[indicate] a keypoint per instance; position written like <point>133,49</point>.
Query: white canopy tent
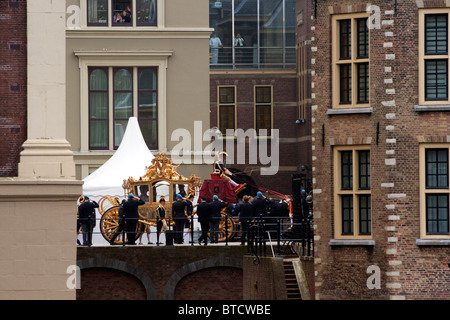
<point>129,160</point>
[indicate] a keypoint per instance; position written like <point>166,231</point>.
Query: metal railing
<point>282,233</point>
<point>296,239</point>
<point>252,58</point>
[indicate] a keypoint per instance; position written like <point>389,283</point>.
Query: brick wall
<point>161,273</point>
<point>407,270</point>
<point>109,284</point>
<point>209,284</point>
<point>294,142</point>
<point>13,84</point>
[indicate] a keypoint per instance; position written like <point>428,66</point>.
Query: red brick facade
<point>13,84</point>
<point>392,129</point>
<point>293,143</point>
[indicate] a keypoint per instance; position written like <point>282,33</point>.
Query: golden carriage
<point>160,180</point>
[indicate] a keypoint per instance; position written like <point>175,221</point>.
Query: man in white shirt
<point>215,44</point>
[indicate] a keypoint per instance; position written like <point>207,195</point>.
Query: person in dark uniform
<point>204,217</point>
<point>220,170</point>
<point>86,215</point>
<point>260,205</point>
<point>178,214</point>
<point>189,213</point>
<point>161,219</point>
<point>304,205</point>
<point>245,217</point>
<point>121,224</point>
<point>216,207</point>
<point>131,216</point>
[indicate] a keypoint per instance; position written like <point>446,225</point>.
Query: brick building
<point>257,83</point>
<point>380,149</point>
<point>13,84</point>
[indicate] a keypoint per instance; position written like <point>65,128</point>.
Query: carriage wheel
<point>110,222</point>
<point>231,227</point>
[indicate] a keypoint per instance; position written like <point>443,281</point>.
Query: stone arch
<point>221,261</point>
<point>100,262</point>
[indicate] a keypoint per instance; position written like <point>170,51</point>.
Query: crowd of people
<point>183,209</point>
<point>144,16</point>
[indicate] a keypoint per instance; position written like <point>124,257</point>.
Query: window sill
<point>352,242</point>
<point>340,111</point>
<point>430,108</point>
<point>432,242</point>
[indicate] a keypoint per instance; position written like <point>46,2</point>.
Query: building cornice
<point>138,33</point>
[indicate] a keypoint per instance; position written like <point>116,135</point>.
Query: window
<point>227,108</point>
<point>263,110</point>
<point>351,61</point>
<point>255,34</point>
<point>433,56</point>
<point>353,217</point>
<point>118,13</point>
<point>434,195</point>
<point>115,95</point>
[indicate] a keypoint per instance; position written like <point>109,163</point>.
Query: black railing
<point>288,237</point>
<point>284,235</point>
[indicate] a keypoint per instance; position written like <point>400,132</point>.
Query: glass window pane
<point>364,169</point>
<point>263,119</point>
<point>122,12</point>
<point>147,105</point>
<point>146,12</point>
<point>98,80</point>
<point>436,86</point>
<point>347,215</point>
<point>271,32</point>
<point>363,83</point>
<point>98,105</point>
<point>345,73</point>
<point>365,214</point>
<point>246,33</point>
<point>119,130</point>
<point>147,79</point>
<point>98,108</point>
<point>345,39</point>
<point>226,118</point>
<point>437,214</point>
<point>263,95</point>
<point>97,11</point>
<point>98,134</point>
<point>436,34</point>
<point>226,95</point>
<point>363,38</point>
<point>221,41</point>
<point>346,170</point>
<point>149,129</point>
<point>123,80</point>
<point>123,105</point>
<point>436,168</point>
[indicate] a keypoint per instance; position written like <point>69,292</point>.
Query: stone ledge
<point>432,108</point>
<point>333,112</point>
<point>351,242</point>
<point>432,242</point>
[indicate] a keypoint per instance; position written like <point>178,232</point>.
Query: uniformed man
<point>161,223</point>
<point>204,217</point>
<point>220,170</point>
<point>260,205</point>
<point>178,214</point>
<point>86,215</point>
<point>216,207</point>
<point>131,216</point>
